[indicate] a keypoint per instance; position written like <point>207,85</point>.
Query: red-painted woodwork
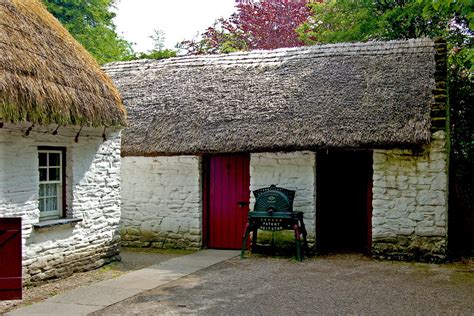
<point>10,259</point>
<point>369,208</point>
<point>229,194</point>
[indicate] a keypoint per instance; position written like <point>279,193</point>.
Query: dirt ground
<point>337,284</point>
<point>132,259</point>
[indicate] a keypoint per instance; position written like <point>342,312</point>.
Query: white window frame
<point>58,213</point>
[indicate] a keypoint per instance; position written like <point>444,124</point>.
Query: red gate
<point>229,194</point>
<point>10,259</point>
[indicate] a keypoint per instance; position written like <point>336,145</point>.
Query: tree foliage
<point>222,37</point>
<point>90,23</point>
<point>158,38</point>
<point>267,24</point>
<point>155,54</point>
<point>158,51</point>
<point>362,20</point>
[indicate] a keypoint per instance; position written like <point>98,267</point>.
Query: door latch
<point>242,203</point>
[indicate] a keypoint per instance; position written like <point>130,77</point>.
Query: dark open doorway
<point>344,201</point>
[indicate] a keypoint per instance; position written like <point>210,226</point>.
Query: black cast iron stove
<point>273,211</point>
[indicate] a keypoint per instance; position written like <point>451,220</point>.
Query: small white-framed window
<point>51,182</point>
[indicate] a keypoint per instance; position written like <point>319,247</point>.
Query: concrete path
<point>88,299</point>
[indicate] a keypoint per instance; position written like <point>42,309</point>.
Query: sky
<point>179,19</point>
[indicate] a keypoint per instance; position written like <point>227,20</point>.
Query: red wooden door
<point>229,194</point>
<point>369,208</point>
<point>10,258</point>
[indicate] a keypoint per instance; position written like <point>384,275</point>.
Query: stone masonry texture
<point>410,201</point>
<point>161,198</point>
<point>161,202</point>
<point>93,195</point>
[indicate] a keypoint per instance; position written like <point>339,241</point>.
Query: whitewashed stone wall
<point>294,171</point>
<point>410,197</point>
<point>161,202</point>
<point>93,195</point>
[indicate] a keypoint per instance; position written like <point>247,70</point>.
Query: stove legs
<point>250,227</point>
<point>254,238</point>
<point>299,230</point>
<point>303,231</point>
<point>244,241</point>
<point>296,228</point>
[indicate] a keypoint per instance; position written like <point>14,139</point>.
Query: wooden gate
<point>228,204</point>
<point>10,259</point>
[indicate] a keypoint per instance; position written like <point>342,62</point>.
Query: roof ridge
<point>268,57</point>
<point>280,54</point>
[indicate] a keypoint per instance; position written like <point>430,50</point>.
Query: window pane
<point>41,192</point>
<point>42,159</point>
<point>43,174</point>
<point>54,174</point>
<point>54,204</point>
<point>51,204</point>
<point>51,189</point>
<point>54,159</point>
<point>41,205</point>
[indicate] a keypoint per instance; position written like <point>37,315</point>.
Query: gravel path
<point>132,259</point>
<point>341,284</point>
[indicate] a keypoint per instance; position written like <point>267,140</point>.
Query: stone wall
<point>93,196</point>
<point>295,171</point>
<point>161,202</point>
<point>410,194</point>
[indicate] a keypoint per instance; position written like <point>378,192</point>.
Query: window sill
<point>61,222</point>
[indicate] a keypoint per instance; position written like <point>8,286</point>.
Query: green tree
<point>362,20</point>
<point>156,54</point>
<point>90,22</point>
<point>158,38</point>
<point>339,21</point>
<point>158,51</point>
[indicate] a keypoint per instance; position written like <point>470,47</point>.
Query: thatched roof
<point>46,76</point>
<point>375,94</point>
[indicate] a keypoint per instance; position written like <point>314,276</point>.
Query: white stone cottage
<point>60,121</point>
<point>358,130</point>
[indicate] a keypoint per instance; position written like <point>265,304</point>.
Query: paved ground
<point>87,299</point>
<point>132,259</point>
<point>342,284</point>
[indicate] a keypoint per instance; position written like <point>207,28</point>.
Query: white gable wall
<point>93,195</point>
<point>161,202</point>
<point>162,206</point>
<point>410,201</point>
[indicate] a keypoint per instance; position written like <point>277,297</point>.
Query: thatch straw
<point>46,76</point>
<point>355,95</point>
